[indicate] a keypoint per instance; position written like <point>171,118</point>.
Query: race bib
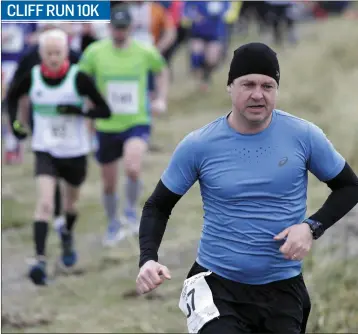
<point>123,97</point>
<point>61,131</point>
<point>196,302</point>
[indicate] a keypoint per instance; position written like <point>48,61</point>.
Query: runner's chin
<point>255,114</point>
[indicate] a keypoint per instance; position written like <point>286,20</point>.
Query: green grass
<point>319,83</point>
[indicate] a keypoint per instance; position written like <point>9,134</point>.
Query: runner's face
<point>254,97</point>
<point>120,35</point>
<point>53,54</point>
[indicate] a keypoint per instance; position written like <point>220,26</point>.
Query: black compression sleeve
<point>23,67</point>
<point>343,198</point>
<point>18,89</point>
<point>86,87</point>
<point>155,215</point>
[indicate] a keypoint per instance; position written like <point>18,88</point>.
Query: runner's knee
<point>70,206</point>
<point>109,177</point>
<point>71,199</point>
<point>109,187</point>
<point>133,170</point>
<point>134,152</point>
<point>213,53</point>
<point>44,209</point>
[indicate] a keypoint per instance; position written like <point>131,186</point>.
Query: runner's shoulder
<point>100,46</point>
<point>144,47</point>
<point>207,133</point>
<point>295,123</point>
<point>299,128</point>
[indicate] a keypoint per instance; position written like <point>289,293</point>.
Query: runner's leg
<point>46,174</point>
<point>212,57</point>
<point>197,47</point>
<point>109,151</point>
<point>74,172</point>
<point>59,219</point>
<point>134,150</point>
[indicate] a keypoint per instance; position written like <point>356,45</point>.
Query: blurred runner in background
<point>207,33</point>
<point>26,62</point>
<point>281,18</point>
<point>120,67</point>
<point>152,24</point>
<point>60,141</point>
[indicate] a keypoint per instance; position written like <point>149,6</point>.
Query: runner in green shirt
<point>120,67</point>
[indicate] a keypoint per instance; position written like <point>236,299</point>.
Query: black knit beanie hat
<point>254,58</point>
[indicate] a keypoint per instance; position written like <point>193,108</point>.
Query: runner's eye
<point>249,84</point>
<point>268,86</point>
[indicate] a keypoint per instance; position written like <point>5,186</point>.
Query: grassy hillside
<point>319,83</point>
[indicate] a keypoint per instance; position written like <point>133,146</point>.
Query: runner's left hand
<point>298,241</point>
<point>68,109</point>
<point>159,106</point>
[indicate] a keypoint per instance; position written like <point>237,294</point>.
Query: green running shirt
<point>121,76</point>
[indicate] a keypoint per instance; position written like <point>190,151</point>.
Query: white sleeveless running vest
<point>61,136</point>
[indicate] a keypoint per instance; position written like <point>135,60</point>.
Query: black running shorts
<point>72,170</point>
<point>277,307</point>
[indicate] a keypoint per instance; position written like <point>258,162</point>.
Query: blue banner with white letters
<point>70,11</point>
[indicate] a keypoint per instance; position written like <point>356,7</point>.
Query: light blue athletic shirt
<point>252,187</point>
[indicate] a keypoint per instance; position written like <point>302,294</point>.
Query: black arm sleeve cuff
<point>86,87</point>
<point>18,89</point>
<point>343,198</point>
<point>156,213</point>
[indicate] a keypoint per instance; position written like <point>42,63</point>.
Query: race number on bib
<point>61,131</point>
<point>196,302</point>
<point>123,97</point>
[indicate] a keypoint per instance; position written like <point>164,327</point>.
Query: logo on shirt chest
<point>283,161</point>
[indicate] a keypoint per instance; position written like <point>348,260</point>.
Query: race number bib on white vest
<point>123,97</point>
<point>61,131</point>
<point>196,302</point>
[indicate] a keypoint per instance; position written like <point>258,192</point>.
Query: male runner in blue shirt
<point>252,167</point>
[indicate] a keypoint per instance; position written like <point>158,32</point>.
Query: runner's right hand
<point>19,131</point>
<point>151,275</point>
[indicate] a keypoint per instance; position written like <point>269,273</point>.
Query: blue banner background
<point>26,11</point>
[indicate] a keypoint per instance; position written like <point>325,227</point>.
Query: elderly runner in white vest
<point>60,141</point>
